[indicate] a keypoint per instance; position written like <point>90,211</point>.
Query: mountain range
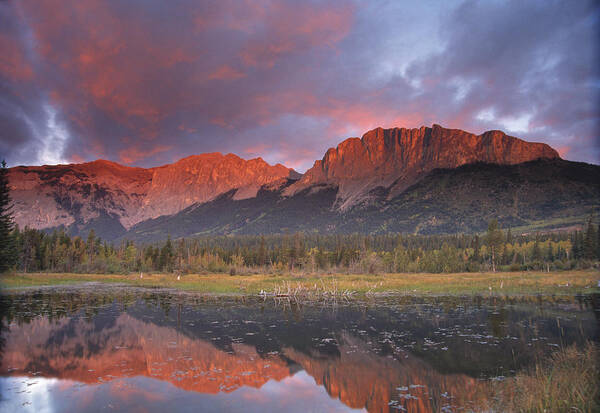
<point>424,180</point>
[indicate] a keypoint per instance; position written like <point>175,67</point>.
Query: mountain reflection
<point>192,349</point>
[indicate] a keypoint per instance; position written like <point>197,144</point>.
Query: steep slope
<point>538,194</point>
<point>111,198</point>
<point>200,178</point>
<point>268,212</point>
<point>542,193</point>
<point>397,158</point>
<point>426,180</point>
<point>103,192</point>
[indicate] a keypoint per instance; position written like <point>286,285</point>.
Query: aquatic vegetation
<point>566,381</point>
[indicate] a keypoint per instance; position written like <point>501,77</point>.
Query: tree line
<point>30,250</point>
<point>310,253</point>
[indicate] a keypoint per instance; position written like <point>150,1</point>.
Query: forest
<point>494,250</point>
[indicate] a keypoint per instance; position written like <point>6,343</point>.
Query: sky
<point>147,82</point>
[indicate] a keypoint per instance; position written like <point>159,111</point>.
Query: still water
<point>103,349</point>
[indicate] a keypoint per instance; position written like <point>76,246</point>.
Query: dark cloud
<point>287,79</point>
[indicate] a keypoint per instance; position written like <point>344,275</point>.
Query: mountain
<point>425,180</point>
<point>397,158</point>
<point>111,198</point>
<point>98,194</point>
<point>544,193</point>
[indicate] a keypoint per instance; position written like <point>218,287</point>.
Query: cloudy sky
<point>146,82</point>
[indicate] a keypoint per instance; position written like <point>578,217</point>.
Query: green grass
<point>507,283</point>
<point>567,381</point>
<point>549,224</point>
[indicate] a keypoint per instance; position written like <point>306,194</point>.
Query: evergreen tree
<point>589,243</point>
<point>506,257</point>
<point>598,242</point>
<point>494,239</point>
<point>91,246</point>
<point>167,256</point>
<point>476,257</point>
<point>536,254</point>
<point>262,252</point>
<point>8,251</point>
<point>576,246</point>
<point>549,253</point>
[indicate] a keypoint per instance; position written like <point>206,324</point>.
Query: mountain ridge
<point>73,194</point>
<point>541,193</point>
<point>365,175</point>
<point>398,157</point>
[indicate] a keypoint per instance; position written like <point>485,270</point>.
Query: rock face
<point>50,196</point>
<point>396,158</point>
<point>536,194</point>
<point>200,178</point>
<point>103,194</point>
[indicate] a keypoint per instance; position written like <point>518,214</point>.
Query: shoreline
<point>510,284</point>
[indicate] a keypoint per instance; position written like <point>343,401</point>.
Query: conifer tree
<point>549,254</point>
<point>589,243</point>
<point>166,255</point>
<point>475,257</point>
<point>8,252</point>
<point>536,255</point>
<point>598,242</point>
<point>494,240</point>
<point>262,252</point>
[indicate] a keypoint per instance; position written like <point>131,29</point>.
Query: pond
<point>108,348</point>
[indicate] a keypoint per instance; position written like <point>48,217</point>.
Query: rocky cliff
<point>112,198</point>
<point>50,196</point>
<point>540,195</point>
<point>397,158</point>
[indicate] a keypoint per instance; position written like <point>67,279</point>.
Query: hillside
<point>422,180</point>
<point>110,198</point>
<point>539,193</point>
<point>397,158</point>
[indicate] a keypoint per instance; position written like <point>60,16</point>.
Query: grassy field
<point>509,283</point>
<point>567,381</point>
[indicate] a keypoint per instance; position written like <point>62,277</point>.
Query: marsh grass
<point>566,382</point>
<point>505,284</point>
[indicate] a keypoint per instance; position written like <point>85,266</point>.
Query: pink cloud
<point>13,63</point>
<point>226,72</point>
<point>133,154</point>
<point>563,150</point>
<point>258,149</point>
<point>293,27</point>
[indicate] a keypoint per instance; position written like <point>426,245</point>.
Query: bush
<point>516,267</point>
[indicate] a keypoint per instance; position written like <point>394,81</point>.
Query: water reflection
<point>110,349</point>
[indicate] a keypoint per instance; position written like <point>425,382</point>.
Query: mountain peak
<point>396,158</point>
<point>77,193</point>
<point>392,159</point>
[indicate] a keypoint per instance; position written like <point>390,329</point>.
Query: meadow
<point>499,283</point>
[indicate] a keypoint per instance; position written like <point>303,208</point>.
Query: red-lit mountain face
<point>397,158</point>
<point>379,167</point>
<point>50,196</point>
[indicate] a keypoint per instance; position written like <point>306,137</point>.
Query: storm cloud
<point>146,82</point>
